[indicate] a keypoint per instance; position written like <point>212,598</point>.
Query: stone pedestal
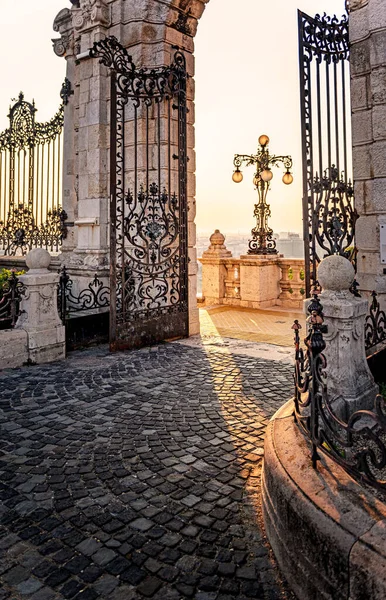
<point>39,317</point>
<point>351,385</point>
<point>214,271</point>
<point>259,280</point>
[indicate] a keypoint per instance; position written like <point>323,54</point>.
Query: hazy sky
<point>247,83</point>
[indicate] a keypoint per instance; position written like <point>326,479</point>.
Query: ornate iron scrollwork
<point>325,116</point>
<point>334,216</point>
<point>162,82</point>
<point>30,172</point>
<point>152,254</point>
<point>326,38</point>
<point>10,297</point>
<point>148,202</point>
<point>93,297</point>
<point>358,445</point>
<point>375,324</point>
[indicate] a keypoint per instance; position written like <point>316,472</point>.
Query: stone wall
<point>368,91</point>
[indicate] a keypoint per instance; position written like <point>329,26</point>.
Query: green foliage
<point>290,273</point>
<point>382,389</point>
<point>5,274</point>
<point>302,291</point>
<point>302,275</point>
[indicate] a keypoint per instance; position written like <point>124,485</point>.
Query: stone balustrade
<point>250,281</point>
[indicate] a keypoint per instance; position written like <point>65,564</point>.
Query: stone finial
<point>217,246</point>
<point>336,273</point>
<point>38,259</point>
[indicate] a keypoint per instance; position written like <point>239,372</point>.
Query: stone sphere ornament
<point>38,258</point>
<point>336,273</point>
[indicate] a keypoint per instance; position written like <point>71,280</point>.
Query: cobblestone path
<point>137,475</point>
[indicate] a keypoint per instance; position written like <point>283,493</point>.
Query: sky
<point>247,83</point>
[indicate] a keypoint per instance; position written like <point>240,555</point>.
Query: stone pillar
<point>368,94</point>
<point>39,316</point>
<point>64,46</point>
<point>259,280</point>
<point>85,180</point>
<point>350,384</point>
<point>214,271</point>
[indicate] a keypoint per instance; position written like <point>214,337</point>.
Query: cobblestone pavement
<point>137,475</point>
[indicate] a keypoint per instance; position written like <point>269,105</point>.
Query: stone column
<point>214,271</point>
<point>350,384</point>
<point>368,93</point>
<point>39,316</point>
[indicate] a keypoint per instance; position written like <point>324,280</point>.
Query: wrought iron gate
<point>329,215</point>
<point>31,214</point>
<point>148,204</point>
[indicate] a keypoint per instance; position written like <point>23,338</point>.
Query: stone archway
<point>150,29</point>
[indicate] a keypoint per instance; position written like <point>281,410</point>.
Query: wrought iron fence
<point>10,297</point>
<point>375,324</point>
<point>94,296</point>
<point>31,214</point>
<point>358,445</point>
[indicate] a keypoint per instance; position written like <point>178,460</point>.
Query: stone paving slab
<point>137,475</point>
<point>254,325</point>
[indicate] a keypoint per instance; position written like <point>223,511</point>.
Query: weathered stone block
<point>360,58</point>
<point>362,127</point>
<point>367,232</point>
<point>378,85</point>
<point>379,121</point>
<point>359,92</point>
<point>362,162</point>
<point>13,348</point>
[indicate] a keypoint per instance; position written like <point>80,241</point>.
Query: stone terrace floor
<point>137,474</point>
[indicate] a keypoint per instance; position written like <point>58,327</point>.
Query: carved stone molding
<point>62,45</point>
<point>63,25</point>
<point>90,14</point>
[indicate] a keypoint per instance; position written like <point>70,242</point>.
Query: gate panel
<point>148,206</point>
<point>328,198</point>
<point>31,215</point>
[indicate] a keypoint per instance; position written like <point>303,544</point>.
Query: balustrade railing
<point>232,278</point>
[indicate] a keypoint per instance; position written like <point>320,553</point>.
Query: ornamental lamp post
<point>262,242</point>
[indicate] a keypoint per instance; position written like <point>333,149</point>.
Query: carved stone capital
<point>91,13</point>
<point>62,45</point>
<point>63,25</point>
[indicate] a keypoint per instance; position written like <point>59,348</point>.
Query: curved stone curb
<point>328,533</point>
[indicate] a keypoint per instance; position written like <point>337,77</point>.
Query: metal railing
<point>358,444</point>
<point>31,215</point>
<point>11,294</point>
<point>89,299</point>
<point>375,324</point>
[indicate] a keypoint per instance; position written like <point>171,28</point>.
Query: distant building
<point>289,244</point>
